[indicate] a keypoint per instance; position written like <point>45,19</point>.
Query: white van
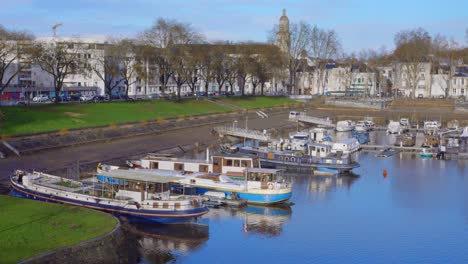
<point>293,115</point>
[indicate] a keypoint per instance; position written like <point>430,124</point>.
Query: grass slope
<point>49,117</point>
<point>19,120</point>
<point>259,101</point>
<point>29,228</point>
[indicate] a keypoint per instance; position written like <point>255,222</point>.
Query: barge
<point>146,199</point>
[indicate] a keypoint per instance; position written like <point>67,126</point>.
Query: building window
<point>462,91</point>
<point>454,91</point>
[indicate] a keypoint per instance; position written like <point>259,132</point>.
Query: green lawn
<point>20,120</point>
<point>29,228</point>
<point>259,101</point>
<point>49,117</point>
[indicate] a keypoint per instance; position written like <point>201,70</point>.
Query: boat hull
<point>426,155</point>
<point>137,215</point>
<point>250,197</point>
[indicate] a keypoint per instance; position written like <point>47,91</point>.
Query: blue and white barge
<point>135,196</point>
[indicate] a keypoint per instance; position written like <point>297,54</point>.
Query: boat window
<point>286,159</point>
<point>280,157</point>
<point>177,205</point>
<point>244,163</point>
<point>154,165</point>
<point>165,205</point>
<point>229,162</point>
<point>323,150</point>
<point>313,148</point>
<point>193,181</point>
<point>155,205</point>
<point>236,163</point>
<point>203,168</point>
<point>178,166</point>
<point>293,159</point>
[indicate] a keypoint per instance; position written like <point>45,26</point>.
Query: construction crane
<point>54,28</point>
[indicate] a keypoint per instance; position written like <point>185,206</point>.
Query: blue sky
<point>359,23</point>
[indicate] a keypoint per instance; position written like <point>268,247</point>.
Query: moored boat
<point>426,152</point>
<point>258,186</point>
<point>338,156</point>
<point>142,199</point>
<point>345,125</point>
<point>405,140</point>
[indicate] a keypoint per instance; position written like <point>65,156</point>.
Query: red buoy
<point>385,173</point>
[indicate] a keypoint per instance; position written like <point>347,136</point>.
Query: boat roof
<point>174,159</point>
<point>300,133</point>
<point>262,170</point>
<point>133,175</point>
<point>235,155</point>
<point>347,141</point>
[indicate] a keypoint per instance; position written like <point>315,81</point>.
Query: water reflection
<point>164,243</point>
<point>261,220</point>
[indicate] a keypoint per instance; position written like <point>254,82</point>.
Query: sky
<point>360,24</point>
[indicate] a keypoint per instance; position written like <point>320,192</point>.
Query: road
<point>56,159</point>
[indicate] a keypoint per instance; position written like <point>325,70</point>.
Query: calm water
<point>418,214</point>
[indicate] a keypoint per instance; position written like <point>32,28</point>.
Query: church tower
<point>283,35</point>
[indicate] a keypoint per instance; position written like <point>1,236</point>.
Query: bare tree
<point>165,32</point>
<point>179,66</point>
<point>412,51</point>
<point>60,59</point>
<point>299,42</point>
<point>131,68</point>
<point>162,36</point>
<point>324,45</point>
<point>192,61</point>
<point>14,46</point>
<point>107,68</point>
<point>206,71</point>
<point>263,66</point>
<point>220,63</point>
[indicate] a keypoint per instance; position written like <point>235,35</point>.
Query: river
<point>417,214</point>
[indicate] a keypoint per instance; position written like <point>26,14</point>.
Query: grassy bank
<point>259,101</point>
<point>29,228</point>
<point>39,118</point>
<point>49,117</point>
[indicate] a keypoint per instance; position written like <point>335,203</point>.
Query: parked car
<point>200,93</point>
<point>226,93</point>
<point>122,97</point>
<point>420,96</point>
<point>154,96</point>
<point>41,98</point>
<point>86,97</point>
<point>75,97</point>
<point>98,98</point>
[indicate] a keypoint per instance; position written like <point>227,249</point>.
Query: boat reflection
<point>318,186</point>
<point>164,243</point>
<point>261,220</point>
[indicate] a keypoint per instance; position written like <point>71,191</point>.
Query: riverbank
<point>50,117</point>
<point>29,228</point>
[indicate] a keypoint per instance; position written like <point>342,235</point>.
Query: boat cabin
<point>176,164</point>
<point>136,185</point>
<point>233,165</point>
<point>346,146</point>
<point>318,134</point>
<point>319,150</point>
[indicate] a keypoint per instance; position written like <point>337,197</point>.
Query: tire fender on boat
<point>270,186</point>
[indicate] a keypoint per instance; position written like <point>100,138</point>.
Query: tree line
<point>171,52</point>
